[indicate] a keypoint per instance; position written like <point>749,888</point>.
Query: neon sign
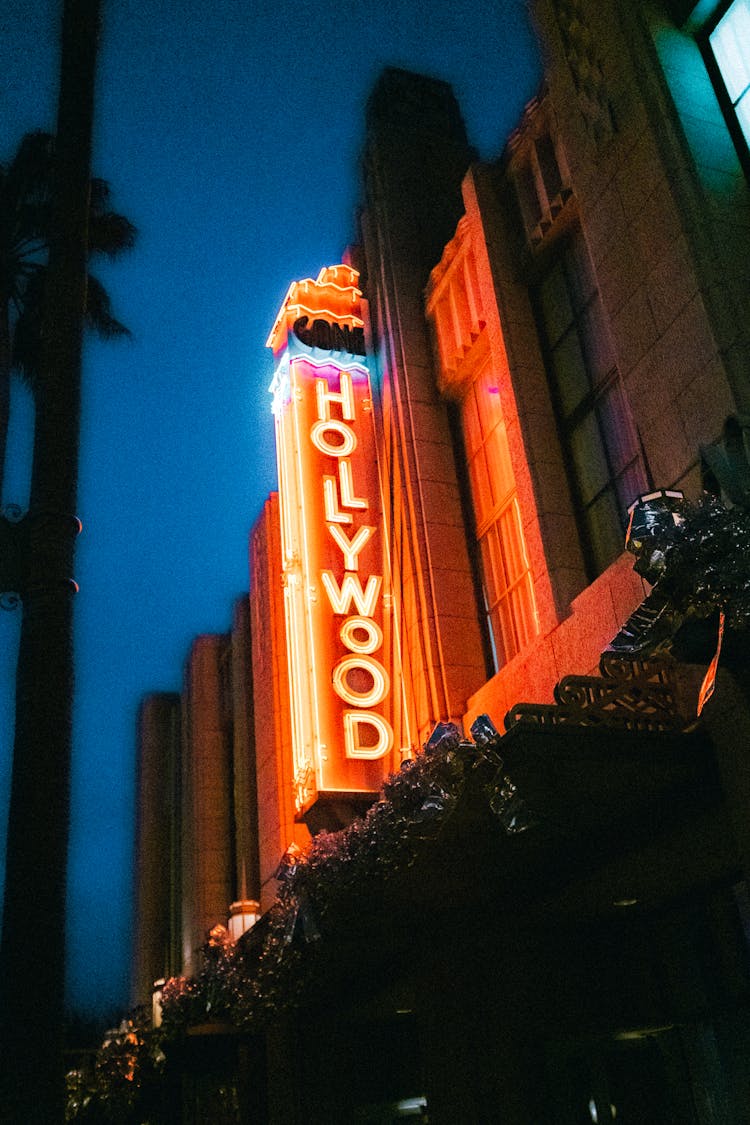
<point>336,597</point>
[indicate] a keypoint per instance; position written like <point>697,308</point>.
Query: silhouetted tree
<point>43,339</point>
<point>27,194</point>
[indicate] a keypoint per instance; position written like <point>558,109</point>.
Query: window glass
<point>579,275</point>
<point>730,44</point>
<point>514,548</point>
<point>488,400</point>
<point>598,436</point>
<point>616,427</point>
<point>523,611</point>
<point>743,114</point>
<point>605,531</point>
<point>554,303</point>
<point>492,565</point>
<point>510,610</point>
<point>629,485</point>
<point>595,341</point>
<point>481,488</point>
<point>570,372</point>
<point>470,420</point>
<point>506,627</point>
<point>589,458</point>
<point>498,459</point>
<point>495,630</point>
<point>527,196</point>
<point>548,166</point>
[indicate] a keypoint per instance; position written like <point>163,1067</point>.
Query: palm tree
<point>27,198</point>
<point>43,339</point>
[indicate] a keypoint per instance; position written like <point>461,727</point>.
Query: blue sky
<point>230,133</point>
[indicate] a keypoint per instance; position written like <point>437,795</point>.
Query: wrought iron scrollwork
<point>628,695</point>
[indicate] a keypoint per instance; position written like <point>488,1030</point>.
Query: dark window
<point>599,439</point>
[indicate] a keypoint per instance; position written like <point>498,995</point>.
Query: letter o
<point>377,692</point>
<point>346,433</point>
<point>352,625</point>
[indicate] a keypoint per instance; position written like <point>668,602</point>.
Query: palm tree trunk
<point>32,955</point>
<point>4,391</point>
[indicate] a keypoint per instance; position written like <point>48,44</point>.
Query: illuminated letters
<point>352,547</point>
<point>372,667</point>
<point>344,448</point>
<point>353,722</point>
<point>350,590</point>
<point>352,626</point>
<point>339,503</point>
<point>325,396</point>
<point>337,616</point>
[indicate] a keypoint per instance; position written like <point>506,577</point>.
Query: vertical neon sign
<point>337,607</point>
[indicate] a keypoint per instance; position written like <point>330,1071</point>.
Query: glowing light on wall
<point>337,604</point>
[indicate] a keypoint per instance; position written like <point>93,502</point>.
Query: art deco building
<point>466,409</point>
<point>197,844</point>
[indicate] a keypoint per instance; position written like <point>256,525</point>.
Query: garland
<point>707,563</point>
<point>245,987</point>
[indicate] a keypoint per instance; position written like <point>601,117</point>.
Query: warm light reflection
<point>334,297</point>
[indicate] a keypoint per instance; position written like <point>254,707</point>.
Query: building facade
<point>467,408</point>
<point>197,854</point>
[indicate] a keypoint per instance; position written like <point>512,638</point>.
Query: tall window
<point>506,578</point>
<point>729,45</point>
<point>599,438</point>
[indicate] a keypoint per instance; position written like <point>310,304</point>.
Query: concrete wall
<point>272,724</point>
<point>415,158</point>
<point>156,948</point>
<point>207,844</point>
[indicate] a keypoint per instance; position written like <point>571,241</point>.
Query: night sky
<point>230,133</point>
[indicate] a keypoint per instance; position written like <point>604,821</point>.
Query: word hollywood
<point>359,633</point>
<point>337,608</point>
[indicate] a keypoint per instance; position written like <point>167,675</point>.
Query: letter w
<point>341,597</point>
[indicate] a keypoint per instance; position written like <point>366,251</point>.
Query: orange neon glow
<point>337,605</point>
<point>334,297</point>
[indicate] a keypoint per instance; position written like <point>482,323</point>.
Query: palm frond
<point>27,202</point>
<point>99,312</point>
<point>99,195</point>
<point>30,175</point>
<point>30,218</point>
<point>27,333</point>
<point>110,234</point>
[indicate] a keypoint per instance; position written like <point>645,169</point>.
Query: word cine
<point>360,633</point>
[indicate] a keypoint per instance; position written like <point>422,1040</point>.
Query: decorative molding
<point>628,695</point>
<point>586,68</point>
